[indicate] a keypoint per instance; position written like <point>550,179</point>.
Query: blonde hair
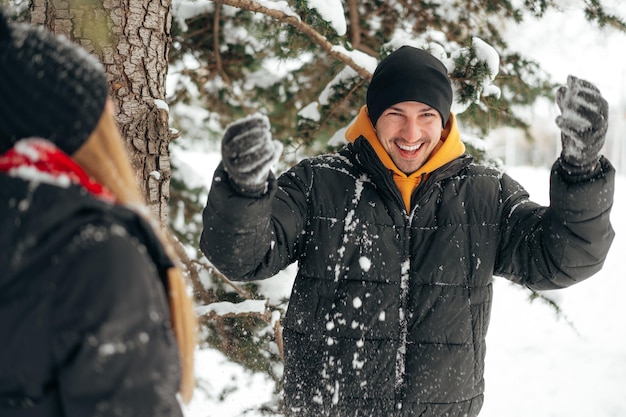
<point>104,158</point>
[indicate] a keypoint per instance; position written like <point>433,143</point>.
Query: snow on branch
<point>304,28</point>
<point>225,309</point>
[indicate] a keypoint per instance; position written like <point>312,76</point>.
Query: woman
<point>92,304</point>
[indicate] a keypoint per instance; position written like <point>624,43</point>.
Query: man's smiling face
<point>409,131</point>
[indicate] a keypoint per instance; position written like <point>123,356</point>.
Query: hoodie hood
<point>448,149</point>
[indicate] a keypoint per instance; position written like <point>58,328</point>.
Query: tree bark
<point>132,39</point>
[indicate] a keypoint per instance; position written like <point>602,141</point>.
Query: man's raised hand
<point>248,152</point>
<point>583,122</point>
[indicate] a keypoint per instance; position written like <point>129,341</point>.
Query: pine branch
<point>355,32</point>
<point>199,292</point>
<point>535,295</point>
<point>305,29</point>
<point>216,42</point>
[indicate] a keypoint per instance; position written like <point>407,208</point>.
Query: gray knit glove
<point>248,153</point>
<point>583,122</point>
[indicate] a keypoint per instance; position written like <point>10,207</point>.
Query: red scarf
<point>40,160</point>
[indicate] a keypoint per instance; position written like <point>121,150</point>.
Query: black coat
<point>389,310</point>
<point>84,321</point>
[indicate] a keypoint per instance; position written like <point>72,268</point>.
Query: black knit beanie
<point>409,74</point>
<point>49,88</point>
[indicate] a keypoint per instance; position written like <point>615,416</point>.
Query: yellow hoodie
<point>449,148</point>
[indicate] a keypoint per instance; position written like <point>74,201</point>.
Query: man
<point>397,237</point>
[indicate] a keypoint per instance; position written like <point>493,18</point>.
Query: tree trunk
<point>132,40</point>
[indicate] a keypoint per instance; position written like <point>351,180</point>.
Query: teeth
<point>410,148</point>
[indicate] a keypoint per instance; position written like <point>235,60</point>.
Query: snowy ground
<point>537,365</point>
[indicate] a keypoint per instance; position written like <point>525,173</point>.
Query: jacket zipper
<point>387,176</point>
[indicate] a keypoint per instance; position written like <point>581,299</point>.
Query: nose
<point>412,131</point>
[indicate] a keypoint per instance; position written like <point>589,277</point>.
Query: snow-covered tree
<point>307,63</point>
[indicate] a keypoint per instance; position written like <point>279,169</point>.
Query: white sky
<point>564,43</point>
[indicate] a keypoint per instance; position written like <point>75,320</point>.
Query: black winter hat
<point>409,74</point>
<point>49,88</point>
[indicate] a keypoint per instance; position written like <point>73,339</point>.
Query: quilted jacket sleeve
<point>560,245</point>
<point>251,237</point>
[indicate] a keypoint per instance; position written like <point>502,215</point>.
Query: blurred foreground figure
<point>397,237</point>
<point>91,302</point>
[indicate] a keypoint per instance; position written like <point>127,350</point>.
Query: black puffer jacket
<point>389,311</point>
<point>84,321</point>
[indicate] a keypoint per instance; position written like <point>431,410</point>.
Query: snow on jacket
<point>389,309</point>
<point>84,321</point>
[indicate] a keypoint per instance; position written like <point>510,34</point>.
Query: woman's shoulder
<point>63,225</point>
